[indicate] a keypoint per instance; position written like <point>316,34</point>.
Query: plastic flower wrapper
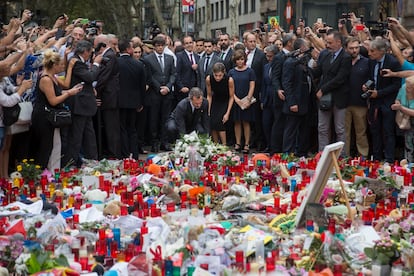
<point>251,177</point>
<point>140,265</point>
<point>407,254</point>
<point>54,228</point>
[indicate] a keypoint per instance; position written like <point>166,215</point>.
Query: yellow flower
<point>37,167</point>
<point>24,161</point>
<point>31,160</point>
<point>19,168</point>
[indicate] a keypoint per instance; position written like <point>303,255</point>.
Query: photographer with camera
<point>380,115</point>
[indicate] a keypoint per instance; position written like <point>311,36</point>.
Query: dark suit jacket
<point>228,60</point>
<point>187,121</point>
<point>276,76</point>
<point>131,82</point>
<point>201,76</point>
<point>258,62</point>
<point>334,76</point>
<point>83,103</point>
<point>186,76</point>
<point>387,87</point>
<point>296,86</point>
<point>159,78</point>
<point>267,93</point>
<point>108,80</point>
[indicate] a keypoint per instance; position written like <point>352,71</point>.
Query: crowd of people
<point>277,92</point>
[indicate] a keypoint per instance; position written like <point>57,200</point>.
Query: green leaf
<point>61,260</point>
<point>383,258</point>
<point>33,265</point>
<point>370,252</point>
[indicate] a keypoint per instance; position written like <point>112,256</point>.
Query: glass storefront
<point>331,11</point>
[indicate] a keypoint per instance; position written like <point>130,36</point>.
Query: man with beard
<point>226,53</point>
<point>356,112</point>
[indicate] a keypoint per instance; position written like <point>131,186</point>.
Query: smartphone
<point>319,20</point>
<point>60,33</point>
<point>84,21</point>
<point>359,27</point>
<point>69,42</point>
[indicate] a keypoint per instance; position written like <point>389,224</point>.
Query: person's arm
<point>65,83</point>
<point>47,87</point>
<point>316,41</point>
<point>395,50</point>
<point>395,24</point>
<point>14,25</point>
<point>231,100</point>
<point>398,74</point>
<point>209,94</point>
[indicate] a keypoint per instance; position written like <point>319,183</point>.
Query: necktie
<point>161,62</point>
<point>191,58</point>
<point>206,64</point>
<point>332,58</point>
<point>378,73</point>
<point>222,55</point>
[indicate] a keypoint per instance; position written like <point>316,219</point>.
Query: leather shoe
<point>154,148</point>
<point>165,147</point>
<point>142,151</point>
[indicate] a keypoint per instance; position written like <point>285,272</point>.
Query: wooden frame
<point>328,161</point>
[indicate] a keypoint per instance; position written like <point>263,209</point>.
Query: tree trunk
<point>208,19</point>
<point>175,20</point>
<point>234,17</point>
<point>158,16</point>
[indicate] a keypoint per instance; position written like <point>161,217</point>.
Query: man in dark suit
<point>107,87</point>
<point>333,69</point>
<point>226,53</point>
<point>186,69</point>
<point>381,117</point>
<point>162,71</point>
<point>297,85</point>
<point>131,97</point>
<point>191,114</point>
<point>81,134</point>
<point>205,65</point>
<point>278,127</point>
<point>256,59</point>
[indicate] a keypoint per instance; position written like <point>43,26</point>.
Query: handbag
<point>325,102</point>
<point>25,114</point>
<point>11,114</point>
<point>59,117</point>
<point>246,103</point>
<point>402,120</point>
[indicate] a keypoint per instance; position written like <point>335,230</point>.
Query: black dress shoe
<point>154,148</point>
<point>165,147</point>
<point>142,151</point>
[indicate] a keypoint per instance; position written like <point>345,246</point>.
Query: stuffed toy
<point>113,208</point>
<point>170,194</point>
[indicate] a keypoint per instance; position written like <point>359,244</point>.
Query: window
<point>217,11</point>
<point>253,7</point>
<point>246,6</point>
<point>221,9</point>
<point>212,12</point>
<point>203,15</point>
<point>240,11</point>
<point>227,8</point>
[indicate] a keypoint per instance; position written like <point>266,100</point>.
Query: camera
<point>346,15</point>
<point>370,85</point>
<point>322,31</point>
<point>342,21</point>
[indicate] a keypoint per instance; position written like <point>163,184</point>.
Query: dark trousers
<point>111,129</point>
<point>129,135</point>
<point>81,135</point>
<point>42,141</point>
<point>295,136</point>
<point>267,122</point>
<point>257,128</point>
<point>381,121</point>
<point>160,110</point>
<point>276,137</point>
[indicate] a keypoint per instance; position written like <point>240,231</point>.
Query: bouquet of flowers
<point>228,159</point>
<point>29,170</point>
<point>201,143</point>
<point>384,251</point>
<point>10,247</point>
